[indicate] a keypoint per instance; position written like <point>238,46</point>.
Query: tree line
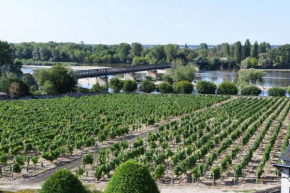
<point>222,56</point>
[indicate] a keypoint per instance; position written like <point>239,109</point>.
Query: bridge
<point>123,70</point>
<point>129,72</point>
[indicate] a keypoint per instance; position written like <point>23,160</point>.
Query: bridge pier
<point>130,76</point>
<point>103,81</point>
<point>152,73</point>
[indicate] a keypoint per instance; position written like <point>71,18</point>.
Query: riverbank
<point>72,67</point>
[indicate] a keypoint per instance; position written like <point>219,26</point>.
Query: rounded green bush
<point>251,90</point>
<point>147,86</point>
<point>276,91</point>
<point>116,84</point>
<point>63,181</point>
<point>165,87</point>
<point>183,87</point>
<point>129,85</point>
<point>205,87</point>
<point>227,88</point>
<point>131,177</point>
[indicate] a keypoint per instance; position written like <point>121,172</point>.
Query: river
<point>272,78</point>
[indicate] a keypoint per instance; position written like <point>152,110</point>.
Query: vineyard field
<point>36,133</point>
<point>233,143</point>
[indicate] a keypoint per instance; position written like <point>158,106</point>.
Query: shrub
<point>98,88</point>
<point>276,91</point>
<point>129,85</point>
<point>183,87</point>
<point>165,87</point>
<point>49,88</point>
<point>251,90</point>
<point>167,78</point>
<point>205,87</point>
<point>116,84</point>
<point>63,181</point>
<point>227,88</point>
<point>147,86</point>
<point>131,177</point>
<point>18,88</point>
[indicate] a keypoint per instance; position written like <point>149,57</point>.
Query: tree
<point>238,52</point>
<point>116,84</point>
<point>227,88</point>
<point>171,51</point>
<point>139,61</point>
<point>147,86</point>
<point>183,87</point>
<point>203,46</point>
<point>247,49</point>
<point>255,50</point>
<point>129,85</point>
<point>63,181</point>
<point>63,79</point>
<point>123,52</point>
<point>264,60</point>
<point>40,76</point>
<point>179,72</point>
<point>6,60</point>
<point>131,176</point>
<point>205,87</point>
<point>156,55</point>
<point>28,79</point>
<point>18,88</point>
<point>264,47</point>
<point>249,62</point>
<point>136,50</point>
<point>250,75</point>
<point>164,88</point>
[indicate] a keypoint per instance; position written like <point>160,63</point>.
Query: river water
<point>272,78</point>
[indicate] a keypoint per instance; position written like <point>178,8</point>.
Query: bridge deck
<point>112,71</point>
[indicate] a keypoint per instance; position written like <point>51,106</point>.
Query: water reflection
<point>271,78</point>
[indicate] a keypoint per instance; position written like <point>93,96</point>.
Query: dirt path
<point>72,164</point>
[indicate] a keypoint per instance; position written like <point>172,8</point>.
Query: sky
<point>145,21</point>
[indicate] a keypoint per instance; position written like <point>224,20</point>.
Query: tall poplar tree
<point>247,49</point>
<point>238,52</point>
<point>255,50</point>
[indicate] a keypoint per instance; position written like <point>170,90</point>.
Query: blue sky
<point>145,21</point>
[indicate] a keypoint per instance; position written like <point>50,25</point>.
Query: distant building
<point>284,168</point>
